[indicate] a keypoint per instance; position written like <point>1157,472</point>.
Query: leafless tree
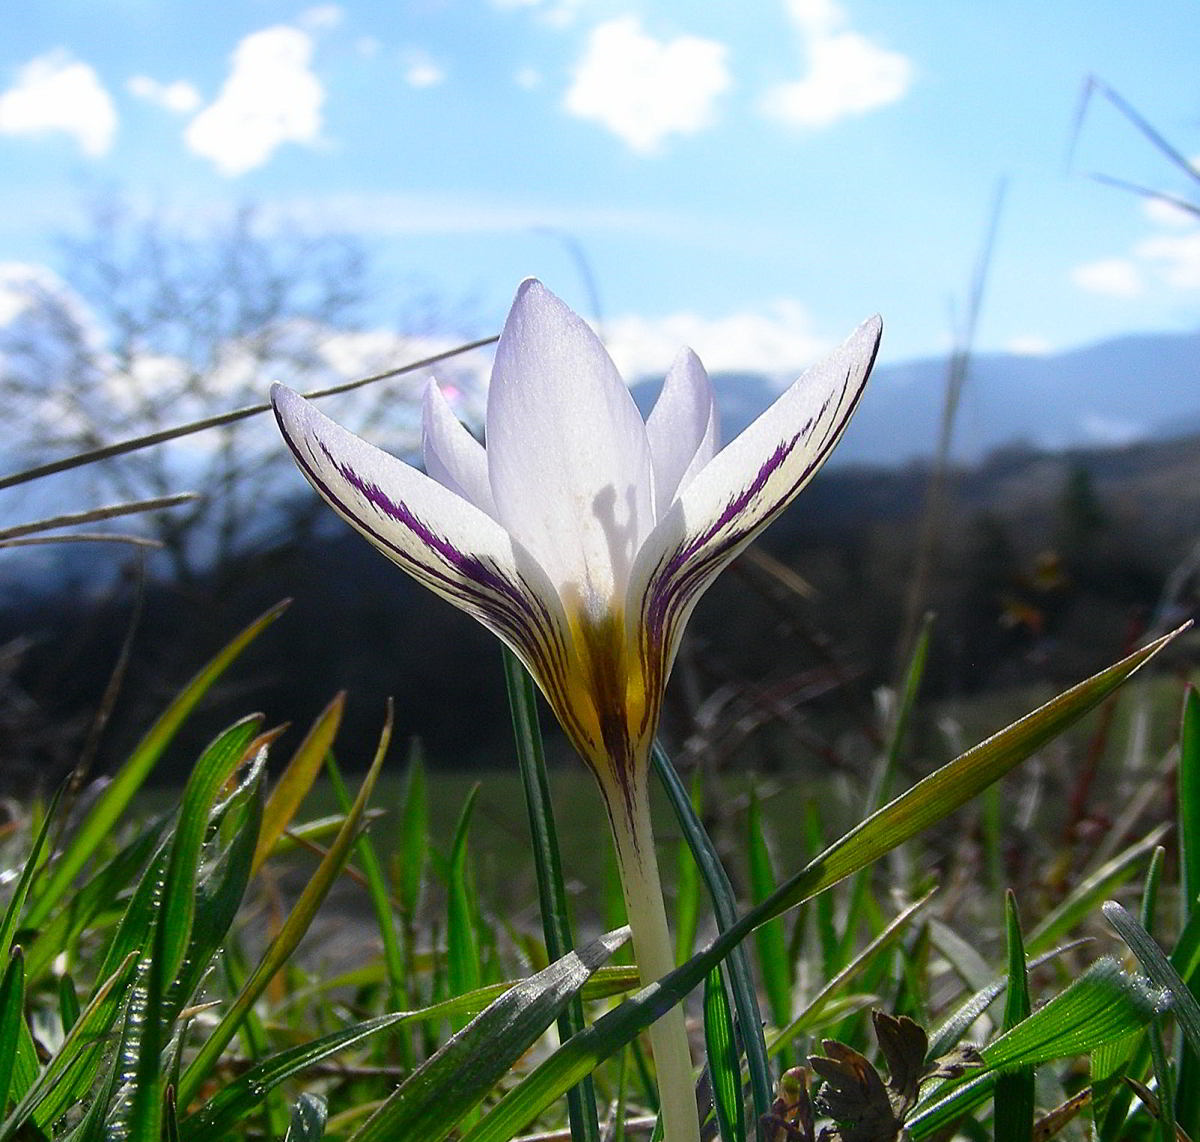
<point>157,323</point>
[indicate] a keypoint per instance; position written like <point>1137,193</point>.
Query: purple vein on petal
<point>685,572</point>
<point>515,611</point>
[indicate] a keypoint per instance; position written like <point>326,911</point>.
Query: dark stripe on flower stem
<point>515,611</point>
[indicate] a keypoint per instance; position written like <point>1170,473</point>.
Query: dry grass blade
<point>93,515</point>
<point>1093,86</point>
<point>139,442</point>
<point>82,537</point>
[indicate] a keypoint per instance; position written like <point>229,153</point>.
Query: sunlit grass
<point>160,989</point>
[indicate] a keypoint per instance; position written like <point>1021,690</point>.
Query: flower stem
<point>629,812</point>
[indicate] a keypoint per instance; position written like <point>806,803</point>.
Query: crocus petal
<point>567,454</point>
<point>439,538</point>
<point>746,485</point>
<point>453,457</point>
<point>681,428</point>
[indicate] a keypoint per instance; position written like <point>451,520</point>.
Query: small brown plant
<point>862,1107</point>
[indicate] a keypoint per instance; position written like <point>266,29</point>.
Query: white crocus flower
<point>583,537</point>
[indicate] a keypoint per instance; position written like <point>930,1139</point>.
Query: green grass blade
<point>12,1016</point>
<point>134,932</point>
<point>114,801</point>
<point>26,1066</point>
<point>239,1099</point>
<point>1150,887</point>
<point>12,914</point>
<point>1014,1094</point>
<point>414,834</point>
<point>1083,900</point>
<point>1185,1006</point>
<point>297,777</point>
<point>822,1001</point>
<point>1189,802</point>
<point>687,883</point>
<point>1165,1081</point>
<point>96,896</point>
<point>927,802</point>
<point>221,889</point>
<point>176,911</point>
<point>723,1067</point>
<point>960,953</point>
<point>825,922</point>
<point>68,1001</point>
<point>412,853</point>
<point>208,776</point>
<point>381,906</point>
<point>774,966</point>
<point>1101,1006</point>
<point>720,891</point>
<point>1110,1096</point>
<point>547,863</point>
<point>881,782</point>
<point>71,1071</point>
<point>453,1081</point>
<point>282,946</point>
<point>1186,955</point>
<point>898,734</point>
<point>951,786</point>
<point>271,1111</point>
<point>463,966</point>
<point>956,1025</point>
<point>308,1120</point>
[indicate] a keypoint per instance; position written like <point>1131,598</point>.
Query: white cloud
<point>320,17</point>
<point>1113,277</point>
<point>179,96</point>
<point>1031,345</point>
<point>56,92</point>
<point>1177,255</point>
<point>1164,213</point>
<point>373,214</point>
<point>847,73</point>
<point>271,97</point>
<point>643,89</point>
<point>420,70</point>
<point>528,78</point>
<point>558,13</point>
<point>778,340</point>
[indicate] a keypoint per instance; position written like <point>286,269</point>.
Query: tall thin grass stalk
<point>936,494</point>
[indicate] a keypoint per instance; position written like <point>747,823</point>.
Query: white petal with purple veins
<point>737,493</point>
<point>567,454</point>
<point>437,536</point>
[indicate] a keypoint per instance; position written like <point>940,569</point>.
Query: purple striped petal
<point>443,541</point>
<point>745,486</point>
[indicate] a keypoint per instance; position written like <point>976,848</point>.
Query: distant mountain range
<point>1116,392</point>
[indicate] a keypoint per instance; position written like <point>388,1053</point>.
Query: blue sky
<point>751,178</point>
